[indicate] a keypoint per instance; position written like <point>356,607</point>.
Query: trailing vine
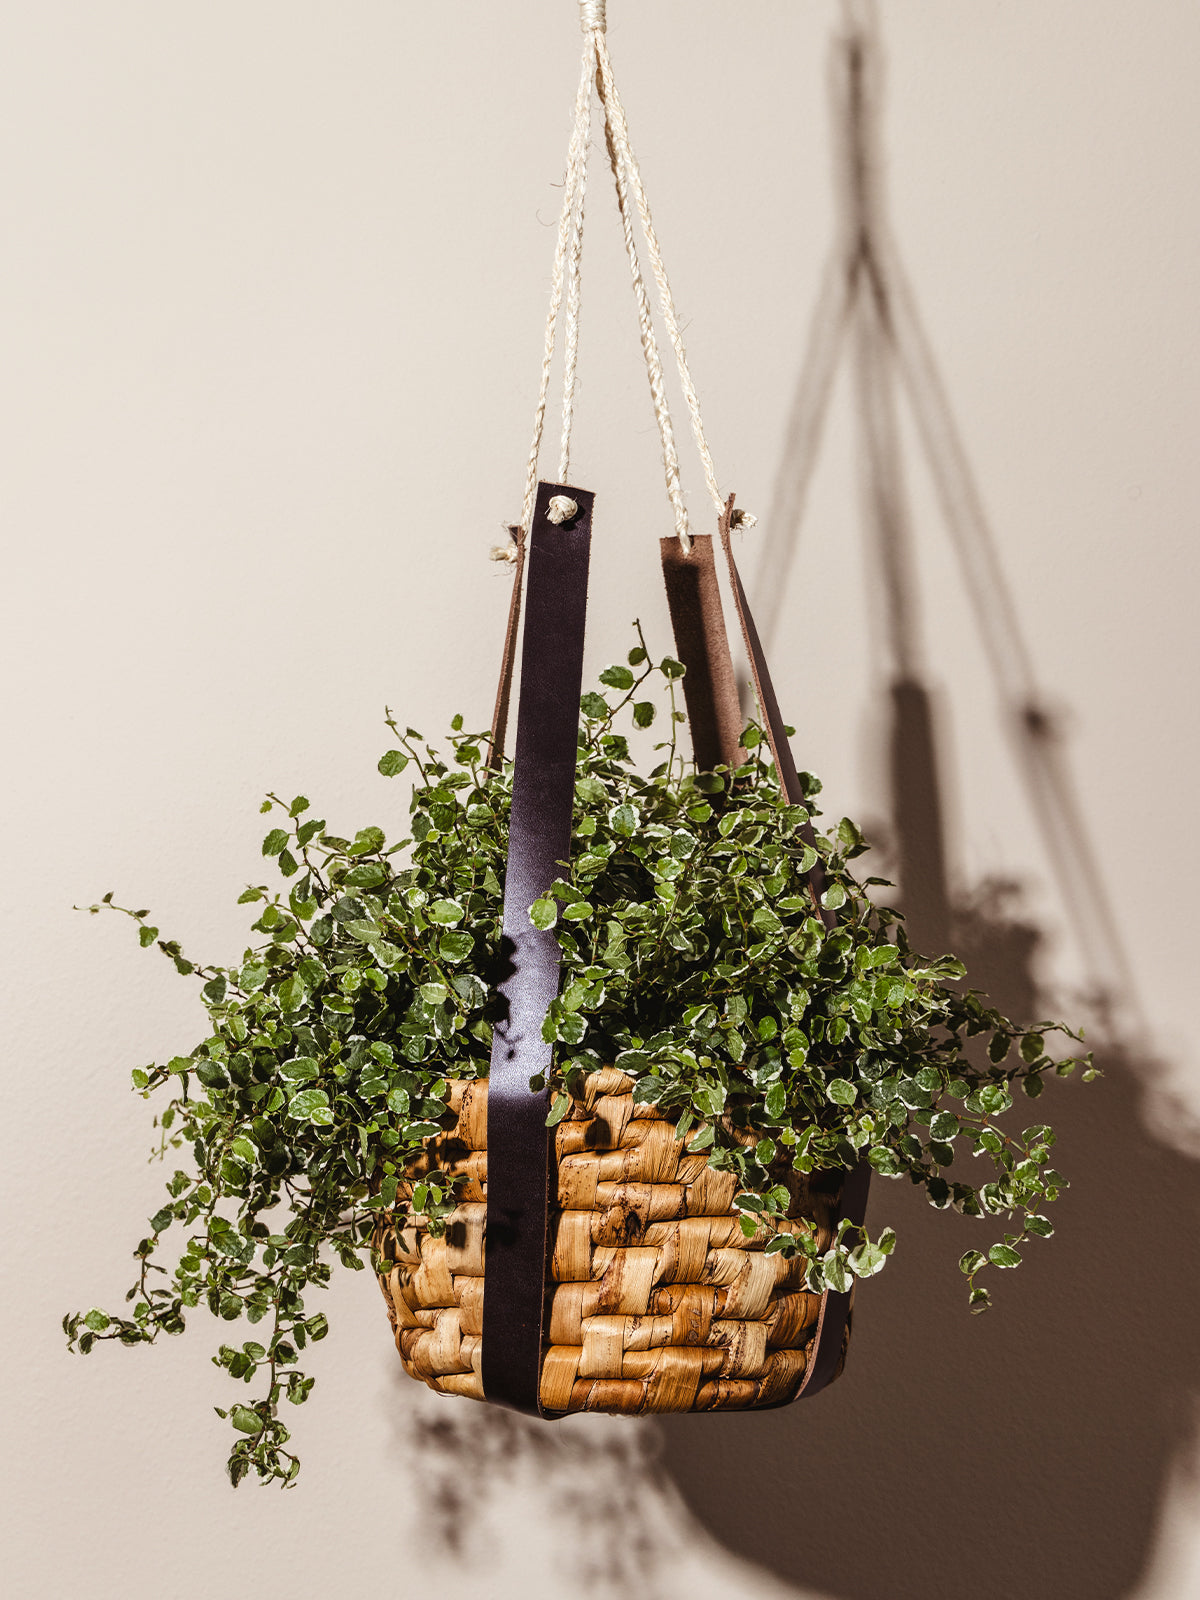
<point>694,959</point>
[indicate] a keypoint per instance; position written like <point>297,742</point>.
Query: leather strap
<point>702,645</point>
<point>781,750</point>
<point>539,843</point>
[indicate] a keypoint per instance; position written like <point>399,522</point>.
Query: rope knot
<point>591,16</point>
<point>561,509</point>
<point>507,552</point>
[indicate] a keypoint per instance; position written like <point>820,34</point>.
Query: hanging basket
<point>621,1277</point>
<point>596,1255</point>
<point>604,1266</point>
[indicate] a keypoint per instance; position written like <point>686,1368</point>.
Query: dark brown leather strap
<point>495,755</point>
<point>539,843</point>
<point>835,1308</point>
<point>702,645</point>
<point>781,750</point>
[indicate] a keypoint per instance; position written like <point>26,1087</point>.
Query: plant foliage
<point>694,958</point>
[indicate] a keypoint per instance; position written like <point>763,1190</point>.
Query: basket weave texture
<point>659,1301</point>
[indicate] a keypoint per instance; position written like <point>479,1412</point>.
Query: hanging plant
<point>694,963</point>
<point>632,1031</point>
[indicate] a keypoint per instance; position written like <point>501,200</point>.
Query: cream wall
<point>273,286</point>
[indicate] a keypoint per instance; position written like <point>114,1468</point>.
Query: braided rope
<point>576,160</point>
<point>574,258</point>
<point>566,285</point>
<point>654,366</point>
<point>616,113</point>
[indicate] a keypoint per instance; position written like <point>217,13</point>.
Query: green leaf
<point>559,1110</point>
<point>998,1046</point>
<point>1003,1255</point>
<point>445,912</point>
<point>310,1105</point>
<point>392,762</point>
<point>301,1069</point>
<point>543,913</point>
<point>624,820</point>
<point>275,841</point>
<point>97,1320</point>
<point>994,1098</point>
<point>945,1125</point>
<point>884,1161</point>
<point>617,677</point>
<point>456,946</point>
<point>849,837</point>
<point>643,713</point>
<point>834,897</point>
<point>867,1260</point>
<point>366,875</point>
<point>246,1421</point>
<point>841,1091</point>
<point>594,707</point>
<point>835,1272</point>
<point>971,1262</point>
<point>292,994</point>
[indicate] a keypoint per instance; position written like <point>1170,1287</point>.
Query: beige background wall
<point>273,286</point>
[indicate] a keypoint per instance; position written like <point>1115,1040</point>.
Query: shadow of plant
<point>1023,1452</point>
<point>599,1507</point>
<point>1026,1452</point>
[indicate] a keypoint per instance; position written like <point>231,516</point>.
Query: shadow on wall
<point>602,1521</point>
<point>1025,1452</point>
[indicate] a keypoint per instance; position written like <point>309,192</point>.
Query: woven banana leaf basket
<point>658,1302</point>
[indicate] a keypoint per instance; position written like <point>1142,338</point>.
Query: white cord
<point>566,282</point>
<point>654,367</point>
<point>583,131</point>
<point>575,158</point>
<point>620,130</point>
